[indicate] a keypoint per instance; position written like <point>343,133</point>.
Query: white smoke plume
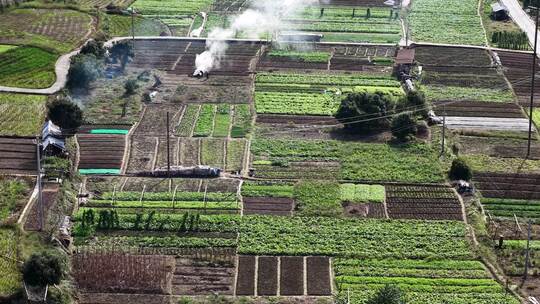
<point>262,17</point>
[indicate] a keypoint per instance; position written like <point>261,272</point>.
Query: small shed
<point>404,62</point>
<point>499,12</point>
<point>53,146</point>
<point>50,129</point>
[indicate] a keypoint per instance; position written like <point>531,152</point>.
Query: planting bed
<point>21,115</point>
<point>268,205</point>
<point>58,29</point>
<point>154,120</point>
<point>18,155</point>
<point>509,186</point>
<point>457,22</point>
<point>11,279</point>
<point>27,67</point>
<point>507,208</point>
<point>101,151</point>
<point>429,202</point>
<point>193,277</point>
<point>157,54</point>
<point>476,109</point>
<point>14,193</point>
<point>288,277</point>
<point>517,68</point>
<point>49,195</point>
<point>141,155</point>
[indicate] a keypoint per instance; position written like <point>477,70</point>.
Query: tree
<point>131,86</point>
<point>122,51</point>
<point>388,294</point>
<point>404,126</point>
<point>460,170</point>
<point>93,47</point>
<point>365,111</point>
<point>84,69</point>
<point>44,268</point>
<point>416,101</point>
<point>64,113</point>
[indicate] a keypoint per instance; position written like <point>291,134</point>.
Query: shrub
<point>93,47</point>
<point>45,268</point>
<point>131,86</point>
<point>416,101</point>
<point>365,111</point>
<point>403,126</point>
<point>387,295</point>
<point>460,170</point>
<point>64,113</point>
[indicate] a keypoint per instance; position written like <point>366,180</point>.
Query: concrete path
<point>523,20</point>
<point>61,70</point>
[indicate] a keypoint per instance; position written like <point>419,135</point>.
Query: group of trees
<point>369,112</point>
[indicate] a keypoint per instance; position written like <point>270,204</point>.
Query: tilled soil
<point>318,276</point>
<point>512,186</point>
<point>18,155</point>
<point>101,151</point>
<point>268,205</point>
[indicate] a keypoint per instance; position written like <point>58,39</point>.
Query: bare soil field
<point>426,202</point>
<point>512,186</point>
<point>369,210</point>
<point>18,155</point>
<point>518,69</point>
<point>499,147</point>
<point>268,205</point>
<point>154,120</point>
<point>290,276</point>
<point>478,109</point>
<point>452,57</point>
<point>192,277</point>
<point>141,156</point>
<point>49,195</point>
<point>101,151</point>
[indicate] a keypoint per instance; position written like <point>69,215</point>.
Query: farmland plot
<point>453,21</point>
<point>13,197</point>
<point>356,161</point>
<point>101,151</point>
<point>21,115</point>
<point>517,68</point>
<point>314,94</point>
<point>11,279</point>
<point>27,67</point>
<point>56,29</point>
<point>18,155</point>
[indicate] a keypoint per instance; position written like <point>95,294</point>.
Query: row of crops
<point>222,120</point>
<point>507,208</point>
<point>358,161</point>
<point>375,25</point>
<point>314,94</point>
<point>27,67</point>
<point>21,115</point>
<point>453,22</point>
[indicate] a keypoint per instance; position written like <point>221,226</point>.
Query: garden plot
<point>506,208</point>
<point>459,74</point>
<point>14,193</point>
<point>363,200</point>
<point>267,198</point>
<point>283,276</point>
<point>100,152</point>
<point>452,22</point>
<point>104,3</point>
<point>193,277</point>
<point>49,198</point>
<point>27,67</point>
<point>120,26</point>
<point>11,279</point>
<point>230,89</point>
<point>18,155</point>
<point>296,159</point>
<point>429,202</point>
<point>142,154</point>
<point>517,68</point>
<point>154,120</point>
<point>158,54</point>
<point>478,109</point>
<point>314,94</point>
<point>508,186</point>
<point>57,29</point>
<point>498,146</point>
<point>358,24</point>
<point>356,3</point>
<point>238,59</point>
<point>21,115</point>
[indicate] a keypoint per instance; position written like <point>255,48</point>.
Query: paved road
<point>61,70</point>
<point>522,20</point>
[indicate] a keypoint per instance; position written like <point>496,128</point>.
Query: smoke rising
<point>263,16</point>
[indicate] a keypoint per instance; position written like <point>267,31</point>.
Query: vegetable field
<point>455,22</point>
<point>10,280</point>
<point>27,67</point>
<point>314,94</point>
<point>21,115</point>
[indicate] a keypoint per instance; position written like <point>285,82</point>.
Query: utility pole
<point>532,84</point>
<point>443,134</point>
<point>40,187</point>
<point>525,274</point>
<point>168,150</point>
